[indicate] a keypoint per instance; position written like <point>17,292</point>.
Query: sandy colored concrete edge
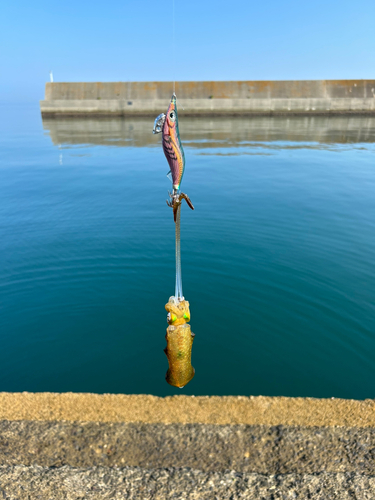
<point>219,410</point>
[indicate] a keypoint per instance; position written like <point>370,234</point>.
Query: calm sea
<point>277,258</point>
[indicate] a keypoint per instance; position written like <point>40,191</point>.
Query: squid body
<point>179,343</point>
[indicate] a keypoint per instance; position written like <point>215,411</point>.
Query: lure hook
<point>175,201</point>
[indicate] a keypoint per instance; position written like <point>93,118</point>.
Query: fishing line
<point>174,51</point>
<point>179,335</point>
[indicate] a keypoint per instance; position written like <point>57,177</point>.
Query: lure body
<point>172,147</point>
<point>179,339</point>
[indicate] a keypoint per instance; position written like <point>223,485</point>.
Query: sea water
<point>277,258</point>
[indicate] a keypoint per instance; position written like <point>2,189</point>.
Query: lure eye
<point>173,318</point>
<point>172,116</point>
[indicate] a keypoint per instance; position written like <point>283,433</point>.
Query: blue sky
<point>215,40</point>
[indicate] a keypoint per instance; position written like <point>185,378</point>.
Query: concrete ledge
<point>209,107</point>
<point>187,409</point>
<point>147,447</point>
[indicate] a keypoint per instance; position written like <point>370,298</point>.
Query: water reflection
<point>213,132</point>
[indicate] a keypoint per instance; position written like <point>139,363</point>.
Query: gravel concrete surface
<point>35,482</point>
<point>244,448</point>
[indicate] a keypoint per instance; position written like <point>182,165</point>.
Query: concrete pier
<point>73,446</point>
<point>309,97</point>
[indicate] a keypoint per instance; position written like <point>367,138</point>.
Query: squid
<point>179,336</point>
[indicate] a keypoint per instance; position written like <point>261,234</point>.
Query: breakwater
<point>320,97</point>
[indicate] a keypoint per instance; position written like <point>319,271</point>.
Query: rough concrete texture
<point>25,483</point>
<point>260,449</point>
<point>145,447</point>
<point>211,98</point>
<point>259,410</point>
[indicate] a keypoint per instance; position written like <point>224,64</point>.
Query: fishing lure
<point>173,150</point>
<point>179,335</point>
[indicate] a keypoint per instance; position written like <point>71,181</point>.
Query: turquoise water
<point>277,258</point>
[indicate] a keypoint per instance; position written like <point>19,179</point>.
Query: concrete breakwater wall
<point>211,98</point>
